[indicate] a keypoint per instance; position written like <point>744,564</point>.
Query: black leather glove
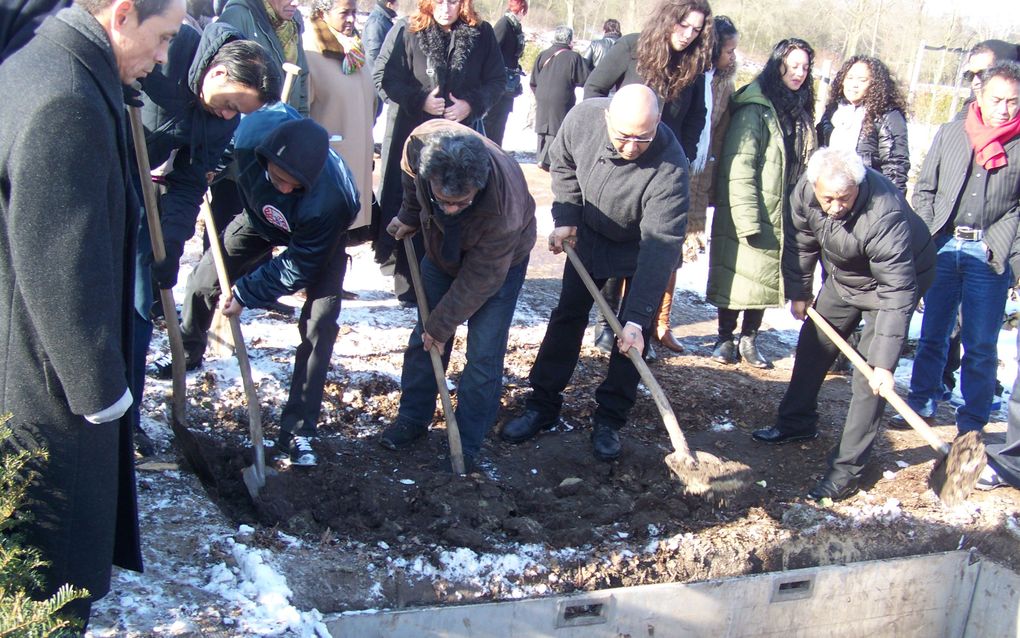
<point>165,274</point>
<point>132,96</point>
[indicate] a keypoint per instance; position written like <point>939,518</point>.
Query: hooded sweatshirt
<point>309,222</point>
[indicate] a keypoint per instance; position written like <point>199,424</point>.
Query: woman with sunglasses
<point>669,56</point>
<point>441,62</point>
<point>865,114</point>
<point>770,137</point>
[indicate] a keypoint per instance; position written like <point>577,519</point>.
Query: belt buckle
<point>967,233</point>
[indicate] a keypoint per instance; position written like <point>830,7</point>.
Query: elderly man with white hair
<point>880,259</point>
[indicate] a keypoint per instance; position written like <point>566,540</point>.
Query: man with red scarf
<point>969,194</point>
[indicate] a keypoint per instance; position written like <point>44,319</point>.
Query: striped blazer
<point>942,179</point>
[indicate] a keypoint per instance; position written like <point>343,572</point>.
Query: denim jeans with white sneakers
<point>965,283</point>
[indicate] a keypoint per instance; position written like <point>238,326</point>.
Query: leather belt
<point>967,233</point>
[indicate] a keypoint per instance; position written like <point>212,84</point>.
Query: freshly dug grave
<point>629,520</point>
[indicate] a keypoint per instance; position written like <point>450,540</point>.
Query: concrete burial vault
<point>953,594</point>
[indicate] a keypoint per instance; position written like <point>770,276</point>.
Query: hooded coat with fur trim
<point>468,65</point>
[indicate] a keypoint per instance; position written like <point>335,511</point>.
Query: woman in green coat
<point>770,137</point>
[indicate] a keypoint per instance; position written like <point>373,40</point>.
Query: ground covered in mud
<point>371,528</point>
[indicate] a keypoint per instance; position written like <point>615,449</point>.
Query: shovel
<point>254,475</point>
<point>185,440</point>
<point>452,431</point>
<point>959,465</point>
<point>702,474</point>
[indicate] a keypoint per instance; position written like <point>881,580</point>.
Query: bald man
<point>620,193</point>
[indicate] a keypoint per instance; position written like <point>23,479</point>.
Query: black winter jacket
<point>377,25</point>
<point>685,115</point>
<point>598,50</point>
<point>510,36</point>
<point>880,256</point>
<point>630,215</point>
<point>883,148</point>
<point>471,68</point>
<point>175,120</point>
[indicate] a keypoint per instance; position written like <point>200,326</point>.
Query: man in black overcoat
<point>67,220</point>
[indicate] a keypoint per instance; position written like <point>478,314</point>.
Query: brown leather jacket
<point>497,231</point>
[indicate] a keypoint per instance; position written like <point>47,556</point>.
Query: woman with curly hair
<point>670,56</point>
<point>766,148</point>
<point>441,62</point>
<point>865,114</point>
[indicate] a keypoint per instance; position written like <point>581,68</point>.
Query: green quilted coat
<point>747,230</point>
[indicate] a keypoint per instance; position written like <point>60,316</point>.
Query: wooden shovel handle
<point>676,436</point>
<point>241,351</point>
<point>888,394</point>
<point>178,405</point>
<point>452,430</point>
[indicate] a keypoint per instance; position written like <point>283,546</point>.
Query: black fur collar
<point>444,60</point>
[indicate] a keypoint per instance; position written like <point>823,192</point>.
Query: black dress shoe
<point>834,490</point>
<point>526,426</point>
<point>604,341</point>
<point>650,355</point>
<point>401,434</point>
<point>748,349</point>
<point>605,442</point>
<point>776,436</point>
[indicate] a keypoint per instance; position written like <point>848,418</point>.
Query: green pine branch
<point>20,615</point>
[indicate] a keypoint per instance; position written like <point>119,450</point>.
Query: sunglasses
<point>970,76</point>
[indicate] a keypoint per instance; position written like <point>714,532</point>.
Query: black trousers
<point>798,411</point>
<point>561,348</point>
<point>243,250</point>
<point>728,322</point>
<point>495,119</point>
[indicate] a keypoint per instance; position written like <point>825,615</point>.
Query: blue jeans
<point>965,283</point>
<point>481,382</point>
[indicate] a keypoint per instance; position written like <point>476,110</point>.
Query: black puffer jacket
<point>685,115</point>
<point>884,147</point>
<point>880,256</point>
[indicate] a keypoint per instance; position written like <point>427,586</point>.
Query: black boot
<point>526,426</point>
<point>605,441</point>
<point>748,349</point>
<point>612,290</point>
<point>725,351</point>
<point>604,340</point>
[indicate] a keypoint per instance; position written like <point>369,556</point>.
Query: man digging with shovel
<point>299,194</point>
<point>472,203</point>
<point>621,190</point>
<point>880,259</point>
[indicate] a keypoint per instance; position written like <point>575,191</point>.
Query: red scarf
<point>987,140</point>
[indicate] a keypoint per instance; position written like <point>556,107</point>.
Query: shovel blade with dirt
<point>702,474</point>
<point>959,465</point>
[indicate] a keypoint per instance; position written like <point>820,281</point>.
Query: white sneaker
<point>301,452</point>
<point>989,479</point>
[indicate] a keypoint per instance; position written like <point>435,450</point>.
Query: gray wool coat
<point>67,218</point>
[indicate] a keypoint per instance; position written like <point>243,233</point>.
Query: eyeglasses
<point>623,139</point>
<point>443,205</point>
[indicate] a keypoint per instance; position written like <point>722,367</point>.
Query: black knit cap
<point>299,147</point>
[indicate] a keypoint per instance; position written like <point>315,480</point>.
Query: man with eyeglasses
<point>299,194</point>
<point>967,193</point>
<point>621,195</point>
<point>471,202</point>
